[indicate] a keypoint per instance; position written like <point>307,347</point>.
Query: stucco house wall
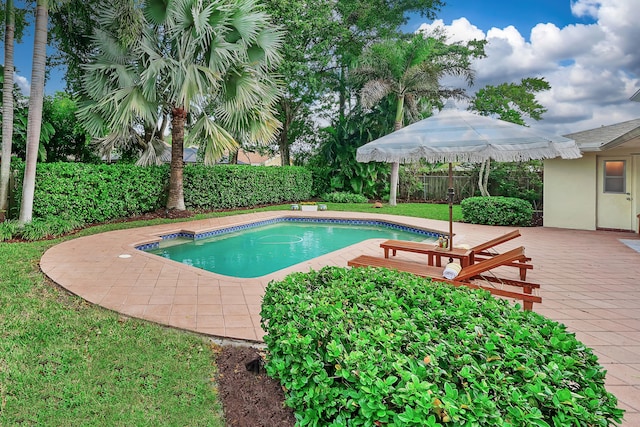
<point>570,193</point>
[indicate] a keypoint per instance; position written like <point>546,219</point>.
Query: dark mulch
<point>249,397</point>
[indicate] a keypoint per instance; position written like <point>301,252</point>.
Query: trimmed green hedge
<point>89,193</point>
<point>237,186</point>
<point>497,210</point>
<point>366,347</point>
<point>96,192</point>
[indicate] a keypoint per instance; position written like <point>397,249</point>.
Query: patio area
<point>590,282</point>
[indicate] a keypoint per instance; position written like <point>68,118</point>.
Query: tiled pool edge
<point>203,235</point>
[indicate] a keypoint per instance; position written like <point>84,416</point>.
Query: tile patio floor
<point>590,282</point>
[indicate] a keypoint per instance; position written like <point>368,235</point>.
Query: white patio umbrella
<point>453,135</point>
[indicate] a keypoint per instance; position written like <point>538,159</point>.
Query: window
<point>614,176</point>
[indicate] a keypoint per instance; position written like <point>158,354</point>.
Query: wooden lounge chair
<point>473,272</point>
<point>486,250</point>
<point>478,253</point>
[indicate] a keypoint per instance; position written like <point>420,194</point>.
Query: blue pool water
<point>262,250</point>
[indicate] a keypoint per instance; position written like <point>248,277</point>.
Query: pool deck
<point>590,282</point>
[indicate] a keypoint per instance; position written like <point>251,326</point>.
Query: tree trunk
<point>176,192</point>
<point>395,167</point>
<point>485,182</point>
<point>34,120</point>
<point>7,110</point>
<point>163,126</point>
<point>483,178</point>
<point>283,138</point>
<point>233,157</point>
<point>395,172</point>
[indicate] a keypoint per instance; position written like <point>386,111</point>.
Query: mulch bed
<point>249,397</point>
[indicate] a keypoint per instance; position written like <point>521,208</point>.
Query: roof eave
<point>635,133</point>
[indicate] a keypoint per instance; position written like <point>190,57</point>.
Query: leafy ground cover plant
<point>377,347</point>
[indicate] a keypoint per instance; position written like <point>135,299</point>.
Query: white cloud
<point>593,69</point>
<point>585,8</point>
<point>22,83</point>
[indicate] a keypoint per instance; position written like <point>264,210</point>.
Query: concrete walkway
<point>590,282</point>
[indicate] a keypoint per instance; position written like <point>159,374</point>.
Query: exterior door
<point>615,208</point>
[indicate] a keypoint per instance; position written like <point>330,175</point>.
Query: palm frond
<point>374,91</point>
<point>214,139</point>
<point>156,11</point>
<point>153,153</point>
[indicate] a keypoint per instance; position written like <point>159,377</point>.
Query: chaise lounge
<point>477,253</point>
<point>473,272</point>
<point>486,250</point>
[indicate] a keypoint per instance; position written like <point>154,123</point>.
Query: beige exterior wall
<point>570,193</point>
<point>570,190</point>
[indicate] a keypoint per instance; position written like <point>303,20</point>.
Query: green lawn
<point>65,362</point>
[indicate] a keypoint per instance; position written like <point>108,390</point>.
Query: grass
<point>65,362</point>
<point>418,210</point>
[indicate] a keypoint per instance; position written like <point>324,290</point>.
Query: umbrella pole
<point>450,194</point>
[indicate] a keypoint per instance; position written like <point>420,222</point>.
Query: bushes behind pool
<point>497,210</point>
<point>89,193</point>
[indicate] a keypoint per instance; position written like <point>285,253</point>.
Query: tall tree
<point>511,102</point>
<point>7,108</point>
<point>410,70</point>
<point>184,55</point>
<point>13,29</point>
<point>34,121</point>
<point>322,39</point>
<point>71,29</point>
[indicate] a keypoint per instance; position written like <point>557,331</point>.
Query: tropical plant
<point>19,117</point>
<point>34,120</point>
<point>337,153</point>
<point>7,107</point>
<point>181,58</point>
<point>14,26</point>
<point>410,71</point>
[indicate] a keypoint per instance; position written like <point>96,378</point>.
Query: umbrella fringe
<point>500,155</point>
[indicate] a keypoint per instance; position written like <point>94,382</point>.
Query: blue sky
<point>586,49</point>
<point>522,14</point>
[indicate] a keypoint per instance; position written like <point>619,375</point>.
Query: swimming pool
<point>255,250</point>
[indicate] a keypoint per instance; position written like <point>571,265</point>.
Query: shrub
<point>90,193</point>
<point>342,197</point>
<point>375,347</point>
<point>236,186</point>
<point>497,211</point>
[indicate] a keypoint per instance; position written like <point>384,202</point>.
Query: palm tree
<point>7,108</point>
<point>34,120</point>
<point>188,55</point>
<point>410,70</point>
